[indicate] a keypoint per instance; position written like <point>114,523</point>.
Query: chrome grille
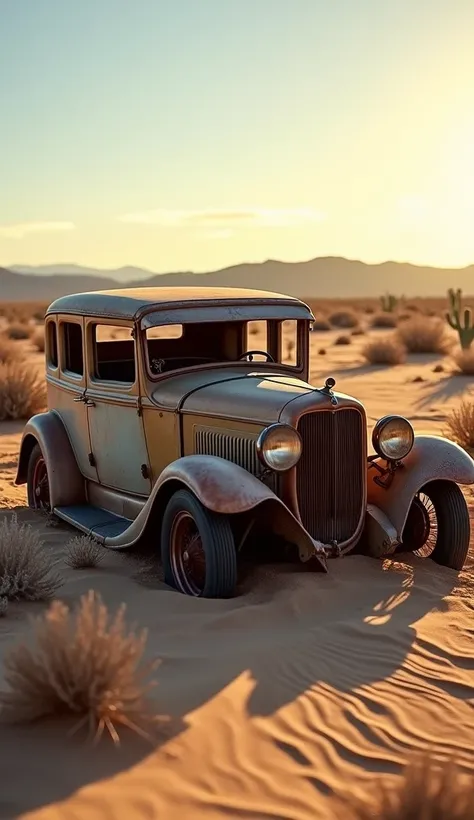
<point>233,447</point>
<point>329,477</point>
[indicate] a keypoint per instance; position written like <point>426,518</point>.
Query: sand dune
<point>303,690</point>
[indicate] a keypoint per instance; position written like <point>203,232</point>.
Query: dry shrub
<point>8,351</point>
<point>84,663</point>
<point>18,332</point>
<point>343,340</point>
<point>322,351</point>
<point>387,350</point>
<point>22,392</point>
<point>424,793</point>
<point>460,425</point>
<point>3,606</point>
<point>422,334</point>
<point>344,319</point>
<point>26,569</point>
<point>38,340</point>
<point>321,324</point>
<point>358,331</point>
<point>84,552</point>
<point>464,361</point>
<point>384,320</point>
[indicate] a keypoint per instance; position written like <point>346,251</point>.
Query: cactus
<point>453,317</point>
<point>389,303</point>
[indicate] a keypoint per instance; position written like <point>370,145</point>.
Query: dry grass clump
<point>321,324</point>
<point>387,350</point>
<point>84,552</point>
<point>22,311</point>
<point>8,350</point>
<point>84,663</point>
<point>22,393</point>
<point>460,425</point>
<point>343,340</point>
<point>424,793</point>
<point>384,320</point>
<point>18,331</point>
<point>39,341</point>
<point>26,569</point>
<point>422,334</point>
<point>464,361</point>
<point>345,319</point>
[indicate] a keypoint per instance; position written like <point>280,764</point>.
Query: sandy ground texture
<point>302,690</point>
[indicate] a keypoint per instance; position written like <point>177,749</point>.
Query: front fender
<point>66,484</point>
<point>222,487</point>
<point>431,458</point>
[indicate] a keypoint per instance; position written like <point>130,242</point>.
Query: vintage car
<point>183,418</point>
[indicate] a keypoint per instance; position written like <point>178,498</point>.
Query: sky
<point>196,134</point>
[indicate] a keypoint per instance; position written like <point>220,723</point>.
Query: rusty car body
<point>184,418</point>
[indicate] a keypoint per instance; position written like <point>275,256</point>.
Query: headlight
<point>393,437</point>
<point>279,447</point>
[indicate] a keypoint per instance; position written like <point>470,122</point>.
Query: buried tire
<point>37,481</point>
<point>438,525</point>
<point>197,549</point>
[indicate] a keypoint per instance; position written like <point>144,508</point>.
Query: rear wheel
<point>438,525</point>
<point>38,481</point>
<point>197,549</point>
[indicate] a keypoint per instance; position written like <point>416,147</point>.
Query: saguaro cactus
<point>389,302</point>
<point>453,317</point>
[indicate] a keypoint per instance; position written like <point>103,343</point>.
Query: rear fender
<point>66,484</point>
<point>222,487</point>
<point>432,458</point>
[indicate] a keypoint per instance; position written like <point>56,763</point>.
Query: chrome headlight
<point>279,447</point>
<point>393,437</point>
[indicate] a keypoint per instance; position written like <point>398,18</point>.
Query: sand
<point>303,690</point>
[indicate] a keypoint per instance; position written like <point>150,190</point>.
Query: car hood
<point>248,396</point>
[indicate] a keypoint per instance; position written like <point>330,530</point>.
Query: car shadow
<point>448,388</point>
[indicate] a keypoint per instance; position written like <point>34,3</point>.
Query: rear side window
<point>72,341</point>
<point>51,344</point>
<point>114,353</point>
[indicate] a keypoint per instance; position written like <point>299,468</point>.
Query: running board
<point>95,521</point>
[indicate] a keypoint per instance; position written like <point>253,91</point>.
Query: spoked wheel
<point>438,525</point>
<point>197,549</point>
<point>38,481</point>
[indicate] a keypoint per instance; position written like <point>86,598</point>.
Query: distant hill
<point>324,277</point>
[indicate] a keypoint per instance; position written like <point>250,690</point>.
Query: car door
<point>113,409</point>
<point>69,387</point>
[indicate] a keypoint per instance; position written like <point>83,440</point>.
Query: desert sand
<point>303,690</point>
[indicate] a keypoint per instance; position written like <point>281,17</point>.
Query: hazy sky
<point>193,134</point>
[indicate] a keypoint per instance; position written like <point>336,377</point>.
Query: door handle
<point>79,398</point>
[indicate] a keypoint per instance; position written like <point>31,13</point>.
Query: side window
<point>289,342</point>
<point>72,341</point>
<point>51,337</point>
<point>257,338</point>
<point>114,353</point>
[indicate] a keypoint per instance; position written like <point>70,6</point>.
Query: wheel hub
<point>417,528</point>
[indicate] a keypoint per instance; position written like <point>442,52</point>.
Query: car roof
<point>132,303</point>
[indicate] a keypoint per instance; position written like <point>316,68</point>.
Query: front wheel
<point>37,481</point>
<point>438,525</point>
<point>197,549</point>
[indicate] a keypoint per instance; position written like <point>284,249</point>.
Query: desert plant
<point>460,425</point>
<point>345,319</point>
<point>384,320</point>
<point>387,350</point>
<point>389,302</point>
<point>423,335</point>
<point>465,329</point>
<point>322,351</point>
<point>26,570</point>
<point>18,332</point>
<point>343,340</point>
<point>321,324</point>
<point>8,350</point>
<point>464,361</point>
<point>83,552</point>
<point>38,340</point>
<point>86,664</point>
<point>22,393</point>
<point>423,793</point>
<point>3,606</point>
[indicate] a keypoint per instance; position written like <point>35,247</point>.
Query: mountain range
<point>323,277</point>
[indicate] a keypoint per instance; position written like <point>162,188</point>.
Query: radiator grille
<point>232,446</point>
<point>329,478</point>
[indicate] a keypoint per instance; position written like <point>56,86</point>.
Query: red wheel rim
<point>40,486</point>
<point>188,561</point>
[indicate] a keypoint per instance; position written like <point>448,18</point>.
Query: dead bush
<point>424,793</point>
<point>464,361</point>
<point>321,324</point>
<point>460,425</point>
<point>423,334</point>
<point>18,332</point>
<point>22,392</point>
<point>26,569</point>
<point>387,350</point>
<point>84,552</point>
<point>8,351</point>
<point>343,340</point>
<point>38,340</point>
<point>358,331</point>
<point>384,320</point>
<point>84,663</point>
<point>344,319</point>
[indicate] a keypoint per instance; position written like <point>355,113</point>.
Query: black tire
<point>211,538</point>
<point>448,524</point>
<point>37,464</point>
